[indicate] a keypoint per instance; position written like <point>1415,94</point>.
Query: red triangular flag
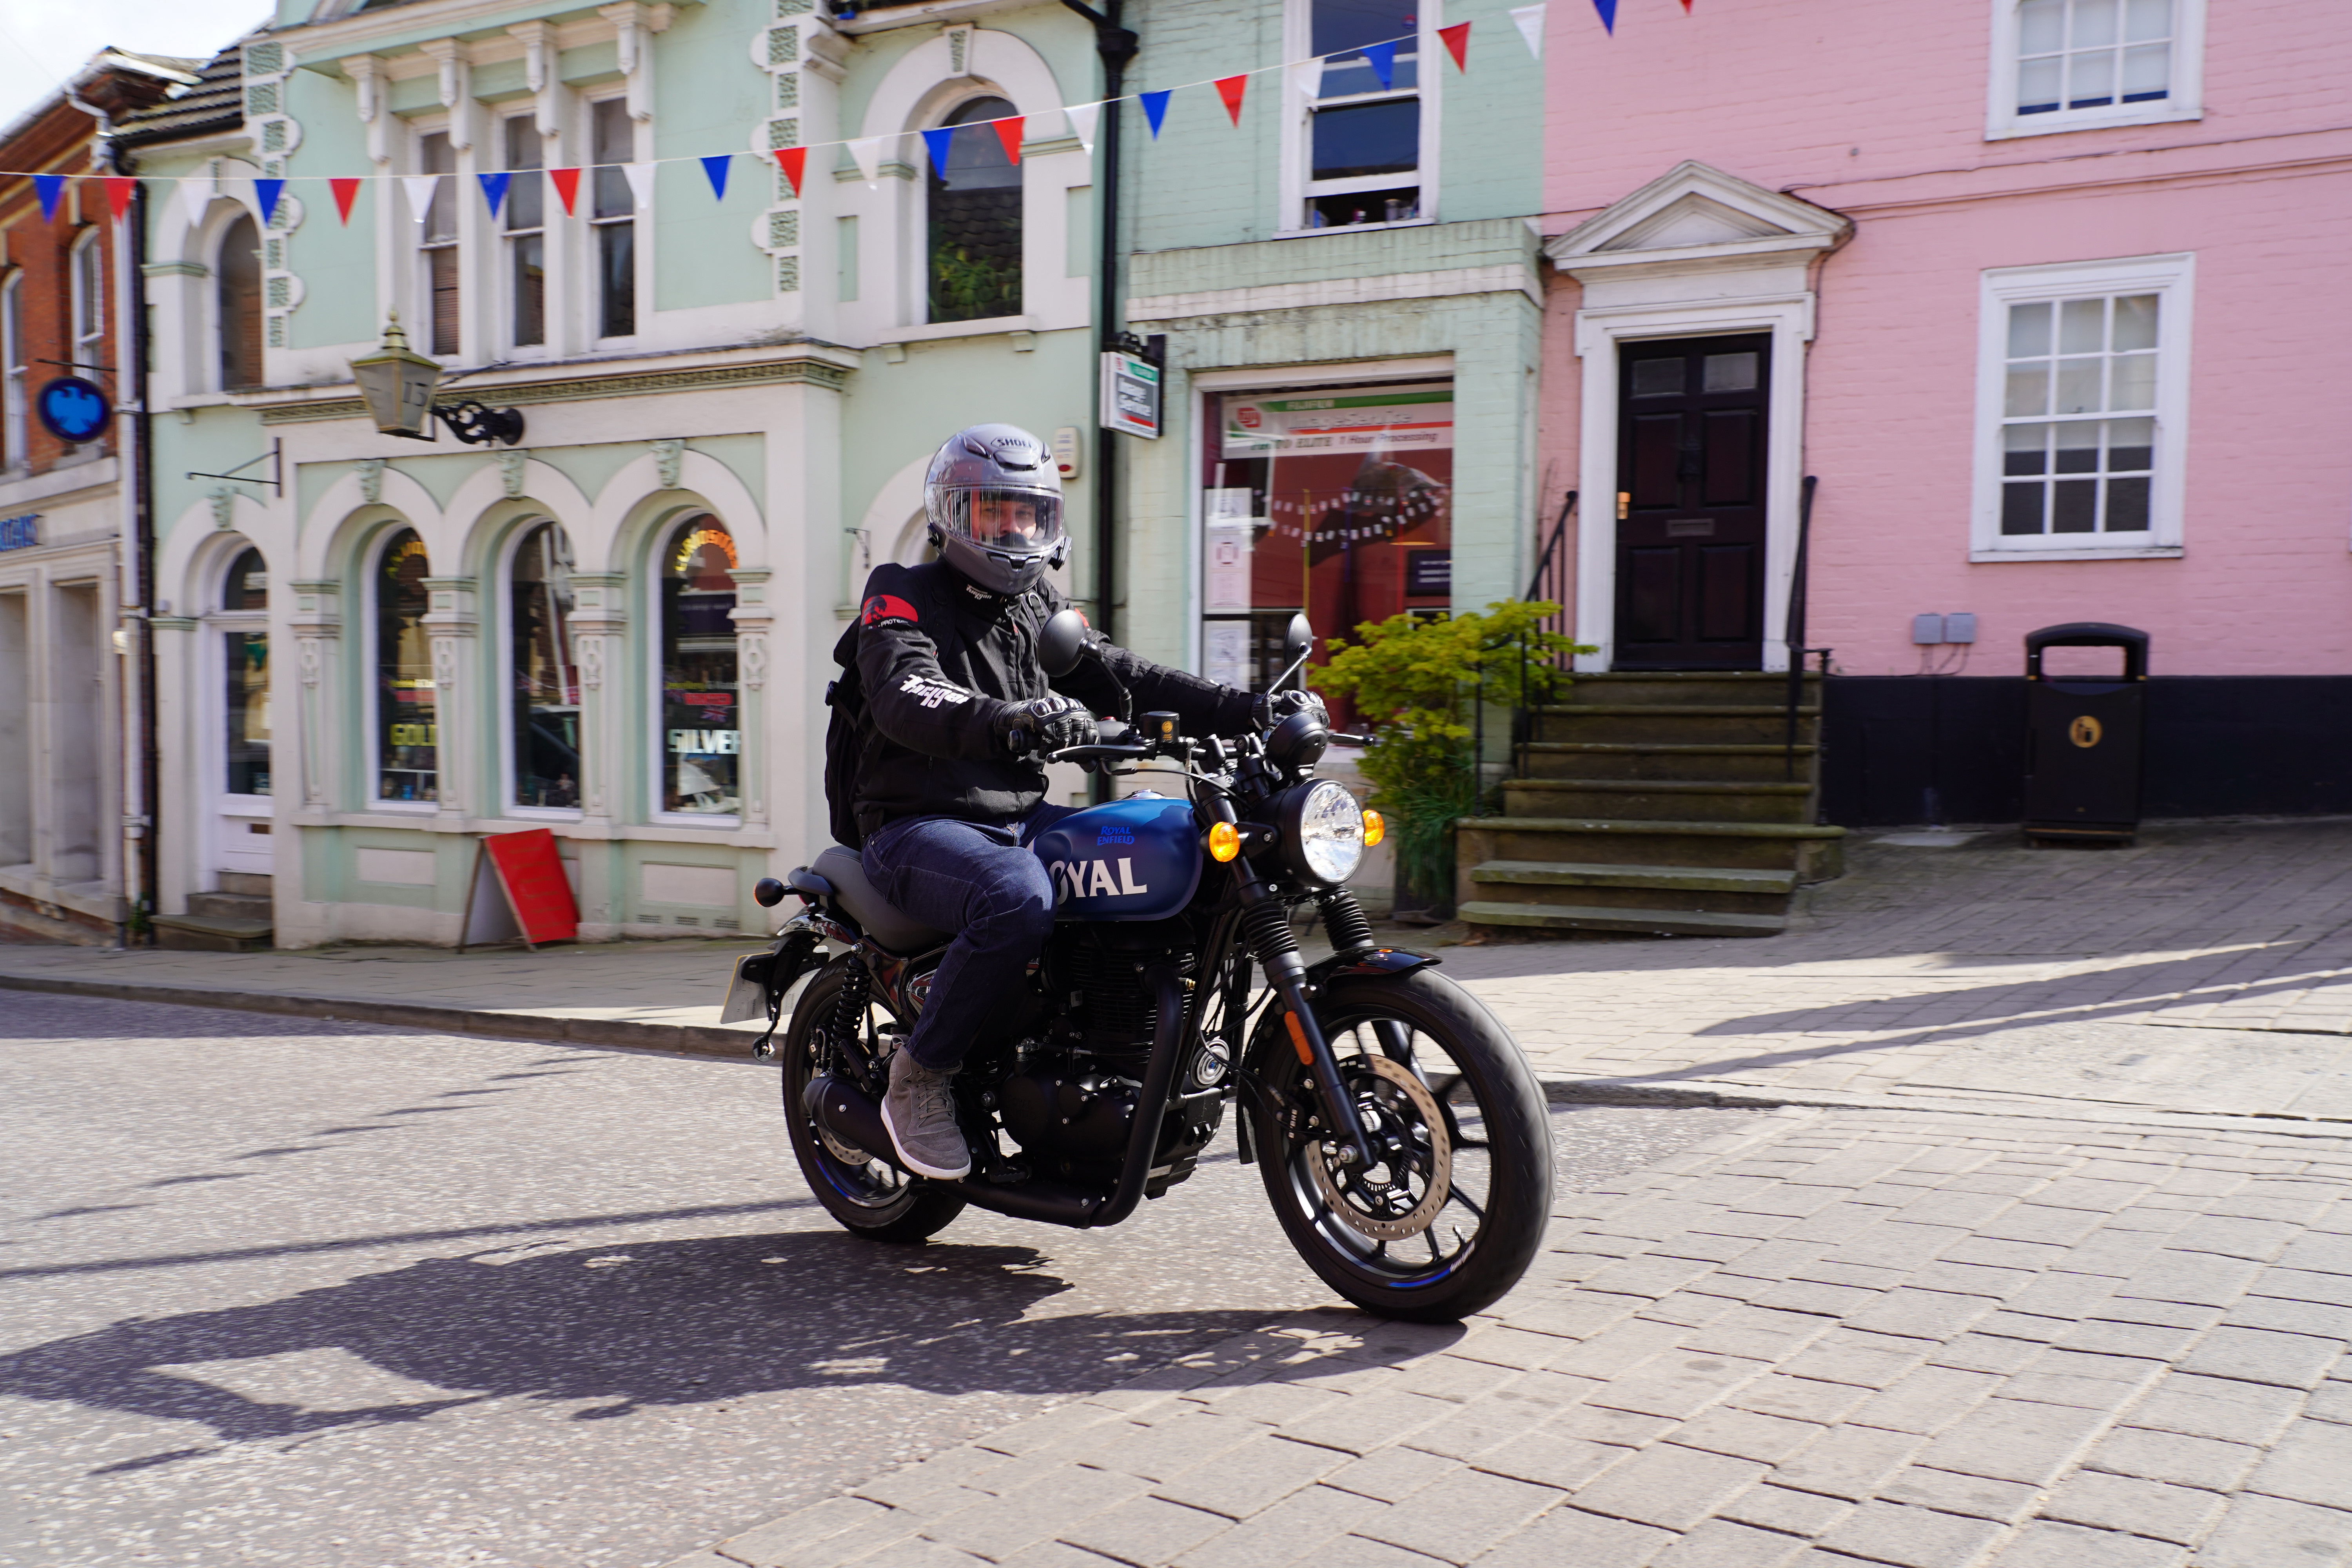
<point>1230,88</point>
<point>347,190</point>
<point>792,160</point>
<point>118,193</point>
<point>1457,42</point>
<point>1685,7</point>
<point>567,186</point>
<point>1008,134</point>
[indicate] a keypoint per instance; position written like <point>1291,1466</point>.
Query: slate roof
<point>215,103</point>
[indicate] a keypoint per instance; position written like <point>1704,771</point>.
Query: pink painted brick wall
<point>1876,109</point>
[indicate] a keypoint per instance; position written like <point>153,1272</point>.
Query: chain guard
<point>1378,1106</point>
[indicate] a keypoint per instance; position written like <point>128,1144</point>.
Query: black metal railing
<point>1794,631</point>
<point>1548,583</point>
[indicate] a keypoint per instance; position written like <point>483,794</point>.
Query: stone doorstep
<point>212,933</point>
<point>1596,917</point>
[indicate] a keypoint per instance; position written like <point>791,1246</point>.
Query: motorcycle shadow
<point>616,1329</point>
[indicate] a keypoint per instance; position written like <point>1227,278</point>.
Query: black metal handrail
<point>1794,631</point>
<point>1549,582</point>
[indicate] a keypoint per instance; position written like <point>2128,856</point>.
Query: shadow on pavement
<point>662,1323</point>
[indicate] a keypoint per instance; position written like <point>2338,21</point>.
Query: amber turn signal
<point>1376,827</point>
<point>1224,841</point>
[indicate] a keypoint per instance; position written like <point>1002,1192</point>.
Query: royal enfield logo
<point>2085,731</point>
<point>1088,878</point>
<point>931,693</point>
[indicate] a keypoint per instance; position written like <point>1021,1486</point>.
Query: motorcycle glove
<point>1045,724</point>
<point>1274,707</point>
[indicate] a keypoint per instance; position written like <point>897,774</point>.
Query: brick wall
<point>38,254</point>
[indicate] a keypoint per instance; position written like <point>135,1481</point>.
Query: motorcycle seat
<point>881,921</point>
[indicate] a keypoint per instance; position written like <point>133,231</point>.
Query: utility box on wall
<point>2084,740</point>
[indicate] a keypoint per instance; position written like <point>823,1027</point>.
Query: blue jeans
<point>984,884</point>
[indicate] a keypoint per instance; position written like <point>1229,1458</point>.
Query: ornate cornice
<point>582,389</point>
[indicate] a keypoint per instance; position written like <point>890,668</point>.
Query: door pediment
<point>1697,218</point>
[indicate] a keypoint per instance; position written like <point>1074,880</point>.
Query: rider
<point>951,744</point>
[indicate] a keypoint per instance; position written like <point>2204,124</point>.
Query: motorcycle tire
<point>873,1199</point>
<point>1455,1111</point>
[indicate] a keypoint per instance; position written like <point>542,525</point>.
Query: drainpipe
<point>1117,46</point>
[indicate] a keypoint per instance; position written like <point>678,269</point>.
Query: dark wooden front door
<point>1690,477</point>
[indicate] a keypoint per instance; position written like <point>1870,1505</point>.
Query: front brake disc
<point>1345,1206</point>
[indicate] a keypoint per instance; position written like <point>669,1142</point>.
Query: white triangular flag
<point>1083,119</point>
<point>420,188</point>
<point>1530,19</point>
<point>196,194</point>
<point>1306,80</point>
<point>867,152</point>
<point>641,182</point>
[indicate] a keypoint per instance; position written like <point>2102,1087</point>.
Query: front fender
<point>1380,961</point>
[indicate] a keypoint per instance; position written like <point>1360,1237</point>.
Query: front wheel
<point>1453,1209</point>
<point>869,1197</point>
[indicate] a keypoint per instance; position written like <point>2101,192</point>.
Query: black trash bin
<point>2084,740</point>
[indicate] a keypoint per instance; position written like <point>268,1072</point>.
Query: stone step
<point>249,884</point>
<point>1669,800</point>
<point>210,933</point>
<point>1813,854</point>
<point>1758,763</point>
<point>1718,889</point>
<point>231,906</point>
<point>1669,687</point>
<point>1663,922</point>
<point>1686,724</point>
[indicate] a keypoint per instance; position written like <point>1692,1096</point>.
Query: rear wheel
<point>1453,1209</point>
<point>869,1197</point>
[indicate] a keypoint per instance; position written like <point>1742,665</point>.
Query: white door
<point>238,634</point>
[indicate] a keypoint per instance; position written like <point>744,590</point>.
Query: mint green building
<point>375,650</point>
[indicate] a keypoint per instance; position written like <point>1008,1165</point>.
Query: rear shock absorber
<point>1345,923</point>
<point>845,1030</point>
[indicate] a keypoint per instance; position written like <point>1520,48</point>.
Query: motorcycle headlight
<point>1323,832</point>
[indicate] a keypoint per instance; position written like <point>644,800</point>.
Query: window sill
<point>986,326</point>
<point>403,807</point>
<point>2083,552</point>
<point>1351,228</point>
<point>2090,120</point>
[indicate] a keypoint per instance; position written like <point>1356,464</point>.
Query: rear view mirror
<point>1298,640</point>
<point>1062,643</point>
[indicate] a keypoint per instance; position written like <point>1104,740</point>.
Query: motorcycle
<point>1400,1133</point>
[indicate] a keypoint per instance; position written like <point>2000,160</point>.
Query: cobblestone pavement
<point>1833,1338</point>
<point>278,1292</point>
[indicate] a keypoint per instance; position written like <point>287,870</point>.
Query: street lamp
<point>397,384</point>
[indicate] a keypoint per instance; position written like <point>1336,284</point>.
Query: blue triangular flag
<point>494,189</point>
<point>1155,108</point>
<point>1608,9</point>
<point>714,166</point>
<point>266,191</point>
<point>1383,61</point>
<point>52,188</point>
<point>937,144</point>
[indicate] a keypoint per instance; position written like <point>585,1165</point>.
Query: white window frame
<point>216,249</point>
<point>502,621</point>
<point>2171,278</point>
<point>218,622</point>
<point>414,232</point>
<point>371,679</point>
<point>509,239</point>
<point>641,215</point>
<point>2186,100</point>
<point>1295,120</point>
<point>89,302</point>
<point>15,373</point>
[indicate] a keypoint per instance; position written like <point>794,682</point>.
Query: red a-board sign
<point>520,889</point>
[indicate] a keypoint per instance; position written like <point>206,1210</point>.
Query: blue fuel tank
<point>1133,859</point>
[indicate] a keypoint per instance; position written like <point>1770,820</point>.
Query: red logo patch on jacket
<point>887,607</point>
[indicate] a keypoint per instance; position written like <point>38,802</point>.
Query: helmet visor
<point>1029,522</point>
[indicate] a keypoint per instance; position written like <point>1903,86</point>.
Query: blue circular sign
<point>73,409</point>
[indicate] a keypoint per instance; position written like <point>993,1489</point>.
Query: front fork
<point>1265,922</point>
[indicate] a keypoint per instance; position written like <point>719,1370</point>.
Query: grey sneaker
<point>920,1116</point>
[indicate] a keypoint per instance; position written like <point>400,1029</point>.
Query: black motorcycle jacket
<point>938,660</point>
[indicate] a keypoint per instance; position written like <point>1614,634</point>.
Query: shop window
<point>237,281</point>
<point>525,207</point>
<point>543,668</point>
<point>244,666</point>
<point>1362,135</point>
<point>974,269</point>
<point>1336,500</point>
<point>613,215</point>
<point>437,241</point>
<point>407,727</point>
<point>700,738</point>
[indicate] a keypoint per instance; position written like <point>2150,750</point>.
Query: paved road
<point>281,1291</point>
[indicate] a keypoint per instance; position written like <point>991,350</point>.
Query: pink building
<point>2051,296</point>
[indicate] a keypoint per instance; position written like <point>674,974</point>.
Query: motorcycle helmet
<point>993,499</point>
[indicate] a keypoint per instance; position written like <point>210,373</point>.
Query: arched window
<point>236,278</point>
<point>245,590</point>
<point>975,218</point>
<point>543,668</point>
<point>700,738</point>
<point>407,726</point>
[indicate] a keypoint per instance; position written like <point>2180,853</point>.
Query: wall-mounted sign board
<point>73,409</point>
<point>1130,396</point>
